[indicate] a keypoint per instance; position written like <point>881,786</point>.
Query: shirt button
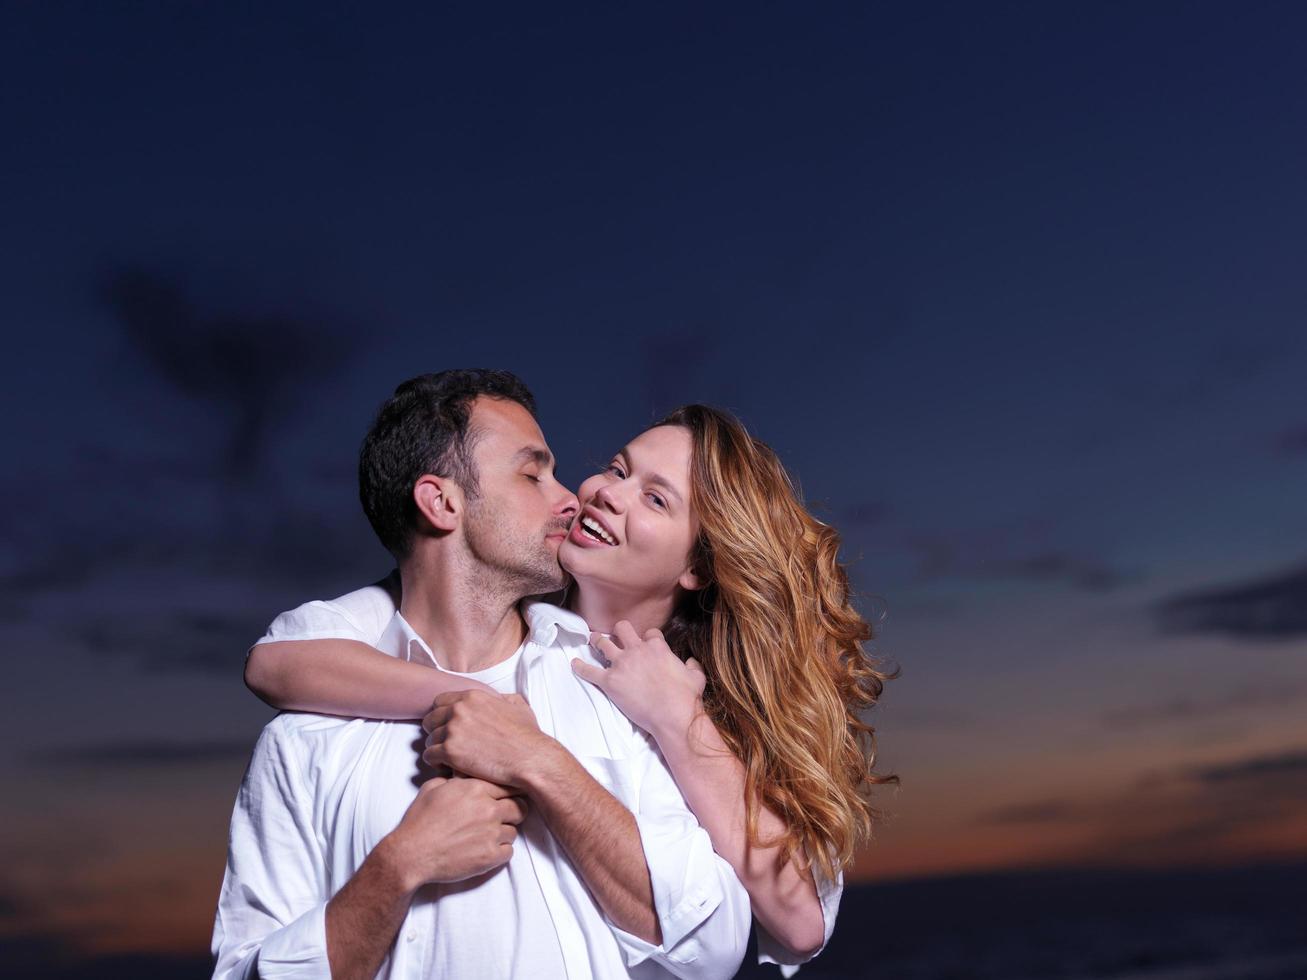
<point>410,936</point>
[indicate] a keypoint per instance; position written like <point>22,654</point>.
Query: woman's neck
<point>602,609</point>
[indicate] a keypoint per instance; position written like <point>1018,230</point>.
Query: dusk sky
<point>1017,291</point>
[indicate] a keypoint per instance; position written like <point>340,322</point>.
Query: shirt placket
<point>548,859</point>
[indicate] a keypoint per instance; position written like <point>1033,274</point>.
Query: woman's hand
<point>645,679</point>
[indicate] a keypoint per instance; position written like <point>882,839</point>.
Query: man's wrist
<point>544,766</point>
<point>394,872</point>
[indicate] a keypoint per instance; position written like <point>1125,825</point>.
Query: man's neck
<point>467,624</point>
<point>602,609</point>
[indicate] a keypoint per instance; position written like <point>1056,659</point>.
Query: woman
<point>753,688</point>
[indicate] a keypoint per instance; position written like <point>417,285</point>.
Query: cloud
<point>1273,608</point>
<point>142,754</point>
<point>191,511</point>
<point>932,718</point>
<point>1201,709</point>
<point>1059,566</point>
<point>1290,764</point>
<point>992,556</point>
<point>250,367</point>
<point>182,640</point>
<point>1194,813</point>
<point>1041,811</point>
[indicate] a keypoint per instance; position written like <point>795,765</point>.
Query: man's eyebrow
<point>661,481</point>
<point>534,454</point>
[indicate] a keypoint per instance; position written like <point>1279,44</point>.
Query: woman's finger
<point>611,651</point>
<point>693,665</point>
<point>589,672</point>
<point>653,635</point>
<point>626,634</point>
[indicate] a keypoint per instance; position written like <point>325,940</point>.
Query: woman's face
<point>636,527</point>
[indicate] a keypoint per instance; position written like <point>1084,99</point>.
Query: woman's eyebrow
<point>654,478</point>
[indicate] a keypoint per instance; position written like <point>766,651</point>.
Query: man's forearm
<point>601,837</point>
<point>364,916</point>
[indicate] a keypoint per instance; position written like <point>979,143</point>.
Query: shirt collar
<point>400,640</point>
<point>545,621</point>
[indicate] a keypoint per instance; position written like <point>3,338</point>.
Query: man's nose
<point>567,505</point>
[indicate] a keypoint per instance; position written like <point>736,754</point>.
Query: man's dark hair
<point>423,428</point>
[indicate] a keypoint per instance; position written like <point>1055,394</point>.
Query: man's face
<point>519,519</point>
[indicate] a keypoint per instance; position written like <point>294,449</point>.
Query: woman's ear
<point>439,501</point>
<point>690,580</point>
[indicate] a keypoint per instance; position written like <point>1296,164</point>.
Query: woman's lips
<point>578,537</point>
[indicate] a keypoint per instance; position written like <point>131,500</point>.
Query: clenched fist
<point>455,829</point>
<point>490,736</point>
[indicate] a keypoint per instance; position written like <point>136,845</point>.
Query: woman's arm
<point>712,779</point>
<point>663,696</point>
<point>346,677</point>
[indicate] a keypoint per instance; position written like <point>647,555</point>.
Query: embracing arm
<point>601,837</point>
<point>663,696</point>
<point>276,914</point>
<point>712,780</point>
<point>345,677</point>
<point>496,737</point>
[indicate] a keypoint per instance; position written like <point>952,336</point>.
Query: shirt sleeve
<point>271,920</point>
<point>703,910</point>
<point>829,894</point>
<point>359,615</point>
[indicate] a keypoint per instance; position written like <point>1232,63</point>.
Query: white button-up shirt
<point>322,791</point>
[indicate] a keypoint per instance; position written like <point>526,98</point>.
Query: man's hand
<point>455,829</point>
<point>490,736</point>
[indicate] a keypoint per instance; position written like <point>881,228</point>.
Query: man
<point>567,851</point>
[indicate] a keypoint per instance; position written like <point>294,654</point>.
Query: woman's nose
<point>608,498</point>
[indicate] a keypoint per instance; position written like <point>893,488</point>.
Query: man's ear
<point>439,501</point>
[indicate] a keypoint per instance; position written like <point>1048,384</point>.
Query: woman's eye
<point>617,471</point>
<point>658,501</point>
<point>533,479</point>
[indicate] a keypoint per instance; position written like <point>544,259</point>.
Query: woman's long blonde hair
<point>781,645</point>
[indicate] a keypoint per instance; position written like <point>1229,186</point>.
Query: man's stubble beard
<point>512,561</point>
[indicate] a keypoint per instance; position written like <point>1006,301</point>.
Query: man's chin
<point>555,598</point>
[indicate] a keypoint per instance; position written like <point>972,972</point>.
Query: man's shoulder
<point>304,733</point>
<point>372,606</point>
<point>361,615</point>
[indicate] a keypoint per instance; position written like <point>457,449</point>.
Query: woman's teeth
<point>595,530</point>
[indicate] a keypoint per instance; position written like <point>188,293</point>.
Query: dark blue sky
<point>1016,291</point>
